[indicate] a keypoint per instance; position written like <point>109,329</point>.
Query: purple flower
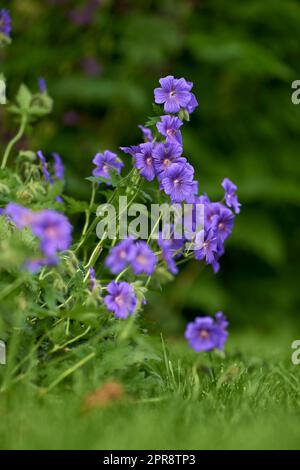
<point>44,165</point>
<point>178,183</point>
<point>133,150</point>
<point>165,154</point>
<point>105,162</point>
<point>193,103</point>
<point>121,299</point>
<point>171,248</point>
<point>144,260</point>
<point>92,278</point>
<point>169,126</point>
<point>146,133</point>
<point>19,215</point>
<point>221,320</point>
<point>206,334</point>
<point>144,161</point>
<point>120,255</point>
<point>209,247</point>
<point>174,93</point>
<point>230,196</point>
<point>42,85</point>
<point>5,22</point>
<point>224,223</point>
<point>34,265</point>
<point>54,231</point>
<point>59,169</point>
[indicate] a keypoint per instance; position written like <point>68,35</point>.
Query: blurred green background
<point>102,59</point>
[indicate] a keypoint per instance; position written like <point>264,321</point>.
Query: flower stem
<point>14,140</point>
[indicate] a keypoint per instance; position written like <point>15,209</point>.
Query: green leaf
<point>75,206</point>
<point>23,97</point>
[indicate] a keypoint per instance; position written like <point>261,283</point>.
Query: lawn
<point>250,399</point>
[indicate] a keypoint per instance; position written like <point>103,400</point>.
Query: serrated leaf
<point>75,206</point>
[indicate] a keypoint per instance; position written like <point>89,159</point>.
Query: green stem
<point>11,287</point>
<point>14,140</point>
<point>68,372</point>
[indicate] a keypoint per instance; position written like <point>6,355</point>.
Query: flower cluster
<point>207,333</point>
<point>131,253</point>
<point>51,227</point>
<point>164,160</point>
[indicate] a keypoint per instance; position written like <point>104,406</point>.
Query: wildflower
<point>206,333</point>
<point>165,154</point>
<point>174,93</point>
<point>105,162</point>
<point>169,127</point>
<point>44,166</point>
<point>178,183</point>
<point>133,150</point>
<point>5,22</point>
<point>34,265</point>
<point>192,105</point>
<point>230,196</point>
<point>209,247</point>
<point>224,223</point>
<point>144,260</point>
<point>120,255</point>
<point>146,133</point>
<point>19,215</point>
<point>144,161</point>
<point>92,278</point>
<point>54,231</point>
<point>171,248</point>
<point>42,85</point>
<point>121,299</point>
<point>58,166</point>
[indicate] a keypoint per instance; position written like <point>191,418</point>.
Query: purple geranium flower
<point>44,165</point>
<point>58,166</point>
<point>231,198</point>
<point>209,247</point>
<point>144,260</point>
<point>5,22</point>
<point>193,103</point>
<point>54,231</point>
<point>42,85</point>
<point>148,137</point>
<point>34,265</point>
<point>92,278</point>
<point>144,161</point>
<point>132,150</point>
<point>165,154</point>
<point>169,126</point>
<point>171,248</point>
<point>174,93</point>
<point>178,183</point>
<point>121,299</point>
<point>19,215</point>
<point>105,162</point>
<point>206,334</point>
<point>120,255</point>
<point>224,223</point>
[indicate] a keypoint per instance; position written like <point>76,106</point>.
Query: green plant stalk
<point>68,372</point>
<point>14,140</point>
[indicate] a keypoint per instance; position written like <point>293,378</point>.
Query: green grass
<point>253,403</point>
